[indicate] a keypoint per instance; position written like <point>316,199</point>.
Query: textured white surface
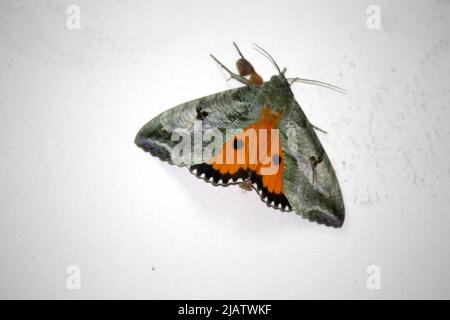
<point>75,190</point>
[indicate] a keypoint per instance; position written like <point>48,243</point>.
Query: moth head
<point>279,81</point>
<point>279,92</point>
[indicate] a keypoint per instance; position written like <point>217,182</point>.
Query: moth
<point>286,163</point>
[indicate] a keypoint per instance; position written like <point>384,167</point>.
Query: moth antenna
<point>268,56</point>
<point>317,83</point>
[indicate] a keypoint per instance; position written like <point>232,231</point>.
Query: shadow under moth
<point>256,136</point>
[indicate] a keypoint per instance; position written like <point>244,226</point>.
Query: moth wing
<point>312,190</point>
<point>233,108</point>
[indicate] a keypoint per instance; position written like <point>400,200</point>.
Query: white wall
<point>75,190</point>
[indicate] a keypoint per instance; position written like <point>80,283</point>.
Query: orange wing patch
<point>254,155</point>
<point>252,150</point>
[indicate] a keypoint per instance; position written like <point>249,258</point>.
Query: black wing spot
<point>201,114</point>
<point>276,159</point>
<point>315,161</point>
<point>237,144</point>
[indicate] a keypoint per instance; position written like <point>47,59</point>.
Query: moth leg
<point>232,74</point>
<point>318,129</point>
<point>246,185</point>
